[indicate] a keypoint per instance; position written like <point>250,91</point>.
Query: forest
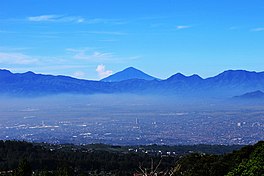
<point>19,158</point>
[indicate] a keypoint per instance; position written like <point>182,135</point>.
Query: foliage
<point>24,169</point>
<point>253,166</point>
<point>72,160</point>
<point>21,158</point>
<point>247,161</point>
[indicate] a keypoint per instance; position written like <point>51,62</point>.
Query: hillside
<point>45,159</point>
<point>225,85</point>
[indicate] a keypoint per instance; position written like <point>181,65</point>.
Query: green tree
<point>24,169</point>
<point>64,171</point>
<point>253,166</point>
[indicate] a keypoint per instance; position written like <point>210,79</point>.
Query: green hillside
<point>24,159</point>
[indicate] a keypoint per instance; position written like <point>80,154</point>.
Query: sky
<point>91,39</point>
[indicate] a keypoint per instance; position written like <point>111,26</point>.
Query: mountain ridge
<point>128,73</point>
<point>226,84</point>
<point>256,95</point>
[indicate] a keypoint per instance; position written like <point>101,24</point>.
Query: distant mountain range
<point>225,85</point>
<point>256,95</point>
<point>128,73</point>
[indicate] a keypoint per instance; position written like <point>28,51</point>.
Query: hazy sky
<point>93,38</point>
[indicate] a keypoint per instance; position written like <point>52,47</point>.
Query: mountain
<point>31,84</point>
<point>238,77</point>
<point>128,73</point>
<point>256,95</point>
<point>182,78</point>
<point>235,82</point>
<point>225,85</point>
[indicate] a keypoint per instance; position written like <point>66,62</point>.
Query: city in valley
<point>86,120</point>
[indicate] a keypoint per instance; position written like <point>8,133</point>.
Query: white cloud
<point>93,56</point>
<point>13,49</point>
<point>48,68</point>
<point>105,21</point>
<point>182,27</point>
<point>108,40</point>
<point>16,58</point>
<point>44,18</point>
<point>77,19</point>
<point>104,32</point>
<point>102,72</point>
<point>80,20</point>
<point>56,18</point>
<point>78,74</point>
<point>90,55</point>
<point>258,29</point>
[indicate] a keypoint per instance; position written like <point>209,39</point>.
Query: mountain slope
<point>225,85</point>
<point>128,73</point>
<point>251,95</point>
<point>33,84</point>
<point>235,82</point>
<point>236,77</point>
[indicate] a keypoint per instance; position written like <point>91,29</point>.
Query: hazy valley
<point>130,120</point>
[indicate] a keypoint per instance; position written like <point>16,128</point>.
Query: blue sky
<point>91,39</point>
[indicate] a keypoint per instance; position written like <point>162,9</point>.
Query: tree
<point>64,171</point>
<point>24,169</point>
<point>253,166</point>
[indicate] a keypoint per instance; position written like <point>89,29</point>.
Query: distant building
<point>137,121</point>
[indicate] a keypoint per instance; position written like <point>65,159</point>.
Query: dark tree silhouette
<point>24,169</point>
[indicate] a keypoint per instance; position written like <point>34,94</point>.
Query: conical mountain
<point>128,73</point>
